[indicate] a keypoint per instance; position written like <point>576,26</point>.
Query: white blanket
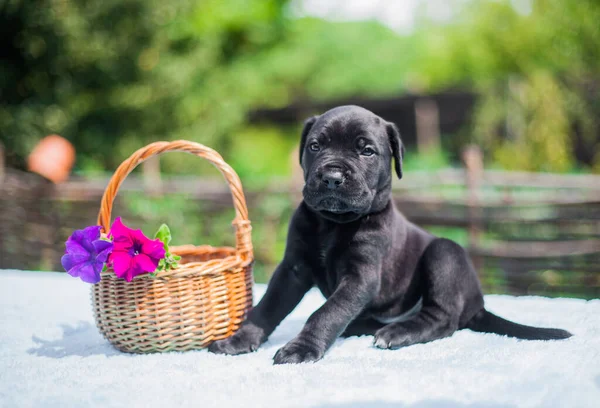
<point>51,355</point>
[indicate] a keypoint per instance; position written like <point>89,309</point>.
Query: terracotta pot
<point>53,157</point>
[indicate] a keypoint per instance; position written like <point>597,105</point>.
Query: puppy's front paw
<point>240,343</point>
<point>392,337</point>
<point>296,352</point>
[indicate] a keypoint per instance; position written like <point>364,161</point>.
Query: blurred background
<point>497,101</point>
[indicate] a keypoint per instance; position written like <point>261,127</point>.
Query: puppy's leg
<point>325,325</point>
<point>286,289</point>
<point>450,282</point>
<point>428,325</point>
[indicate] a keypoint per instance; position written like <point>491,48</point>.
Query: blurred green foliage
<point>114,75</point>
<point>428,160</point>
<point>261,152</point>
<point>534,67</point>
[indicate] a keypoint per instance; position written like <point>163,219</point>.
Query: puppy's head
<point>346,154</point>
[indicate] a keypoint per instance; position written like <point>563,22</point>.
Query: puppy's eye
<point>314,146</point>
<point>367,151</point>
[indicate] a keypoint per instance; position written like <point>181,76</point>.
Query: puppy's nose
<point>333,179</point>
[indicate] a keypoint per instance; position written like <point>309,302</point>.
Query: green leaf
<point>164,234</point>
<point>170,260</point>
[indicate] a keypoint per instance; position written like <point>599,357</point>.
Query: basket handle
<point>241,222</point>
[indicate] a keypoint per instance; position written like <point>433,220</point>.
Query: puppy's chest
<point>329,248</point>
<point>331,253</point>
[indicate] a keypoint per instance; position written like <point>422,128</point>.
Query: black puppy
<point>381,274</point>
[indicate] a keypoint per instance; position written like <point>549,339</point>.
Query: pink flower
<point>133,253</point>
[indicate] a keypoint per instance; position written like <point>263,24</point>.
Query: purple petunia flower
<point>86,254</point>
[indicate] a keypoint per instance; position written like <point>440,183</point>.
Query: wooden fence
<point>527,233</point>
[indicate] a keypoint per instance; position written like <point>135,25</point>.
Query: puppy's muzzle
<point>332,178</point>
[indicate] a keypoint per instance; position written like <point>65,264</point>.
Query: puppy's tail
<point>488,322</point>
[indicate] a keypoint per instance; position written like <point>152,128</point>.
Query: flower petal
<point>103,249</point>
<point>133,271</point>
<point>120,262</point>
<point>122,244</point>
<point>77,246</point>
<point>91,233</point>
<point>130,275</point>
<point>76,270</point>
<point>90,273</point>
<point>98,266</point>
<point>122,235</point>
<point>154,249</point>
<point>71,259</point>
<point>101,245</point>
<point>139,238</point>
<point>117,228</point>
<point>86,272</point>
<point>136,270</point>
<point>144,264</point>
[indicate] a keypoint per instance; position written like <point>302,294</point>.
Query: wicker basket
<point>204,299</point>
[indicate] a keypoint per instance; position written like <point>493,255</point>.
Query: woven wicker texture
<point>204,299</point>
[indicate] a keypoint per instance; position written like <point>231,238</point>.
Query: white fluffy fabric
<point>51,355</point>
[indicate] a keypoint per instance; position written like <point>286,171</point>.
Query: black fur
<point>371,264</point>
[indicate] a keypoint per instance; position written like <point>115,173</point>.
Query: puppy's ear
<point>308,124</point>
<point>397,147</point>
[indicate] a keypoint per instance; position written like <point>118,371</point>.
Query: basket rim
<point>234,263</point>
